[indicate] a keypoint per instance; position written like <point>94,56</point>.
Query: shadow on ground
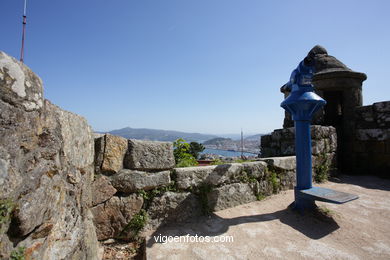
<point>369,182</point>
<point>315,224</point>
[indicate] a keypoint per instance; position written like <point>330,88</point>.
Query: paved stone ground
<point>268,229</point>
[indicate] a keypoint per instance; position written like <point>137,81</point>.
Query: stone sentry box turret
<point>341,87</point>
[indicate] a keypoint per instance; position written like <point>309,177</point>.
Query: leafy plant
<point>322,169</point>
<point>137,223</point>
<point>18,253</point>
<point>145,195</point>
<point>182,154</point>
<point>247,179</point>
<point>149,195</point>
<point>260,196</point>
<point>217,162</point>
<point>274,181</point>
<point>195,149</point>
<point>6,208</point>
<point>187,160</point>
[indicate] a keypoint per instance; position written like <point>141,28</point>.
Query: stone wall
<point>63,190</point>
<point>137,178</point>
<point>281,142</point>
<point>46,172</point>
<point>127,172</point>
<point>372,141</point>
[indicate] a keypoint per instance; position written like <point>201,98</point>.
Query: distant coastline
<point>226,153</point>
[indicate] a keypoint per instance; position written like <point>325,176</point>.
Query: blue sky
<point>210,66</point>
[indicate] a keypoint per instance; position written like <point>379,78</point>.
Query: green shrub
<point>217,162</point>
<point>145,195</point>
<point>137,223</point>
<point>322,169</point>
<point>182,154</point>
<point>149,195</point>
<point>6,208</point>
<point>18,253</point>
<point>195,149</point>
<point>260,196</point>
<point>187,160</point>
<point>247,179</point>
<point>274,181</point>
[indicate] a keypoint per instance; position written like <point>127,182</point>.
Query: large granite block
<point>131,181</point>
<point>174,207</point>
<point>149,156</point>
<point>102,190</point>
<point>111,217</point>
<point>110,152</point>
<point>230,196</point>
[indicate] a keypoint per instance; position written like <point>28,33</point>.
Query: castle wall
<point>46,172</point>
<point>371,144</point>
<point>136,178</point>
<point>281,142</point>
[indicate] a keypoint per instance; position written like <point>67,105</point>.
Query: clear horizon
<point>210,67</point>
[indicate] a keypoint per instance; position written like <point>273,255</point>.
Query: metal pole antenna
<point>24,31</point>
<point>242,145</point>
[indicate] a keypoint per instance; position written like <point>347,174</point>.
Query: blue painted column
<point>302,103</point>
<point>303,152</point>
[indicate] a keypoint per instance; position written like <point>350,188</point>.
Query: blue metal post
<point>303,152</point>
<point>302,103</point>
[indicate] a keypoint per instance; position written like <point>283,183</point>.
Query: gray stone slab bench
<point>326,195</point>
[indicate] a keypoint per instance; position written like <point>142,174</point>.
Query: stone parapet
<point>281,142</point>
<point>371,144</point>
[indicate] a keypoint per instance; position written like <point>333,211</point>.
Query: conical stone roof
<point>328,66</point>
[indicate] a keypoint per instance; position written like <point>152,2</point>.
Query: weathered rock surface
<point>285,170</point>
<point>102,190</point>
<point>255,169</point>
<point>371,145</point>
<point>148,155</point>
<point>281,142</point>
<point>20,86</point>
<point>112,216</point>
<point>230,195</point>
<point>110,152</point>
<point>131,181</point>
<point>192,176</point>
<point>46,171</point>
<point>225,173</point>
<point>263,187</point>
<point>325,63</point>
<point>286,163</point>
<point>218,174</point>
<point>173,207</point>
<point>372,134</point>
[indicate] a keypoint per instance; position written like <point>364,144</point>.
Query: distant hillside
<point>219,141</point>
<point>159,135</point>
<point>251,144</point>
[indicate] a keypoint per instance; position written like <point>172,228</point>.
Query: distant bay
<point>226,153</point>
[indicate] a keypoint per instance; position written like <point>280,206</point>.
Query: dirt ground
<point>269,229</point>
